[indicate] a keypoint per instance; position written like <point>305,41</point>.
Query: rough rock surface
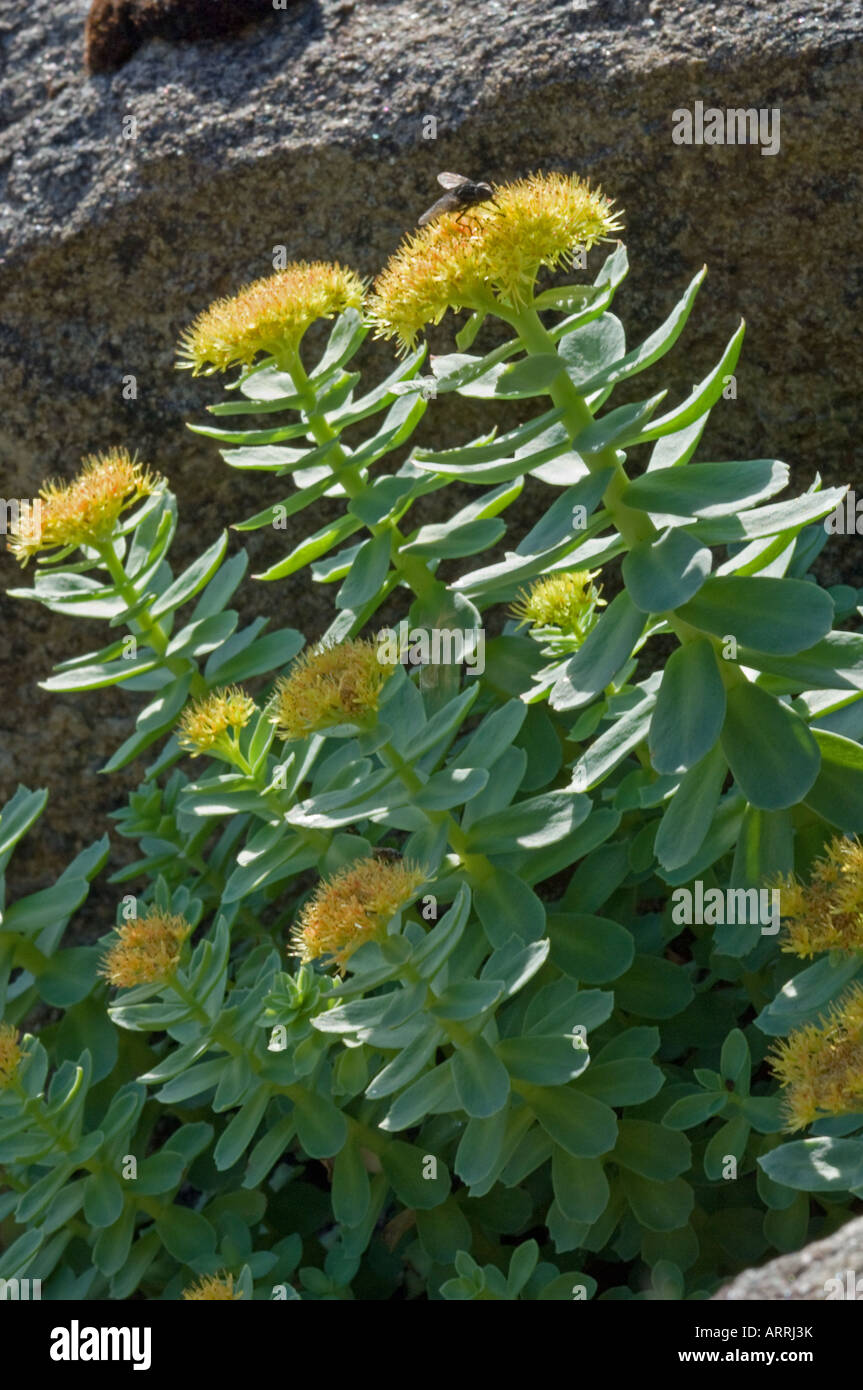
<point>127,202</point>
<point>806,1274</point>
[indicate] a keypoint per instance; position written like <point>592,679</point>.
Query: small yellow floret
<point>825,914</point>
<point>566,601</point>
<point>353,907</point>
<point>269,315</point>
<point>492,253</point>
<point>330,685</point>
<point>146,951</point>
<point>821,1064</point>
<point>204,724</point>
<point>85,510</point>
<point>212,1288</point>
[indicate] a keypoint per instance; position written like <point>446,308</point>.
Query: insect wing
<point>448,203</point>
<point>452,180</point>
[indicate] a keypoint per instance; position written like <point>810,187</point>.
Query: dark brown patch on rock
<point>116,28</point>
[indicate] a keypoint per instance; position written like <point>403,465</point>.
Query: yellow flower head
<point>85,510</point>
<point>269,315</point>
<point>329,685</point>
<point>821,1065</point>
<point>492,252</point>
<point>213,1288</point>
<point>204,724</point>
<point>354,906</point>
<point>566,601</point>
<point>146,951</point>
<point>11,1054</point>
<point>827,913</point>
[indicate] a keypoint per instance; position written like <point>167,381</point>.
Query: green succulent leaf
<point>667,572</point>
<point>772,753</point>
<point>580,1124</point>
<point>816,1165</point>
<point>778,616</point>
<point>690,709</point>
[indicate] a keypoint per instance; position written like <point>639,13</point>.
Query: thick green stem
<point>36,1110</point>
<point>155,634</point>
<point>412,569</point>
<point>217,1036</point>
<point>633,525</point>
<point>27,953</point>
<point>477,865</point>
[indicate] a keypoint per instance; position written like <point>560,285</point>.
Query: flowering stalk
<point>478,866</point>
<point>634,526</point>
<point>84,514</point>
<point>157,637</point>
<point>577,417</point>
<point>271,317</point>
<point>412,570</point>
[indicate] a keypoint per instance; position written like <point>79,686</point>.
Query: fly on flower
<point>385,854</point>
<point>461,194</point>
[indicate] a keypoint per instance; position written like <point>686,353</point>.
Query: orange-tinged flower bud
<point>85,510</point>
<point>11,1054</point>
<point>330,685</point>
<point>147,950</point>
<point>354,906</point>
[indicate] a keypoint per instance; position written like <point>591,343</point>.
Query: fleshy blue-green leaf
<point>772,753</point>
<point>837,792</point>
<point>705,489</point>
<point>481,1080</point>
<point>581,1125</point>
<point>690,709</point>
<point>601,656</point>
<point>588,948</point>
<point>816,1165</point>
<point>664,573</point>
<point>193,579</point>
<point>689,814</point>
<point>778,616</point>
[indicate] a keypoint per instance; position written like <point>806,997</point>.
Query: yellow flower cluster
<point>269,315</point>
<point>10,1054</point>
<point>329,685</point>
<point>565,601</point>
<point>85,510</point>
<point>353,907</point>
<point>212,1288</point>
<point>821,1065</point>
<point>204,724</point>
<point>827,913</point>
<point>493,252</point>
<point>146,951</point>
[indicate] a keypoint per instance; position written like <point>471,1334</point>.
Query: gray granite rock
<point>129,201</point>
<point>825,1270</point>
